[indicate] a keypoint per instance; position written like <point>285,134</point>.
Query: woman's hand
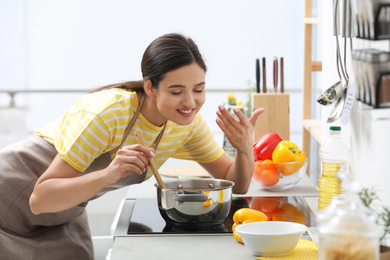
<point>129,159</point>
<point>61,187</point>
<point>240,135</point>
<point>238,132</point>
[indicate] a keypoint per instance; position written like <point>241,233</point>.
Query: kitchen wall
<point>85,44</point>
<point>94,42</point>
<point>367,131</point>
<point>13,44</point>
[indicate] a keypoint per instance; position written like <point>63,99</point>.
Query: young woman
<point>47,180</point>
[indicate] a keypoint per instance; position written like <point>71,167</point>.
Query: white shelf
<point>314,128</point>
<point>373,113</point>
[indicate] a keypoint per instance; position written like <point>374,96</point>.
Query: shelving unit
<point>372,113</point>
<point>310,127</point>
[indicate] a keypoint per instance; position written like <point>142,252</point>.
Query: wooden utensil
<point>140,139</point>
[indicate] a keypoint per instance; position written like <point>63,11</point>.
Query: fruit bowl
<point>278,176</point>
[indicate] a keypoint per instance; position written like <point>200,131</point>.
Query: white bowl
<point>270,238</point>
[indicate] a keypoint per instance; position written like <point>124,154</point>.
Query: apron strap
<point>159,137</point>
<point>130,126</point>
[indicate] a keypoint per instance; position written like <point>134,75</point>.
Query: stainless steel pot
<point>195,202</point>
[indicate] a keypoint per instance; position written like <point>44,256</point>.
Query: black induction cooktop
<point>146,218</point>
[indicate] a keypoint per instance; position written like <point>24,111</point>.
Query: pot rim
<point>226,184</point>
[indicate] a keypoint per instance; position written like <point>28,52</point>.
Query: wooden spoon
<point>156,174</point>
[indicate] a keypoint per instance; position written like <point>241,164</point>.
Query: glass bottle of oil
<point>334,159</point>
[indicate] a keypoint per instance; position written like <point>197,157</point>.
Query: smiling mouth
<point>186,111</point>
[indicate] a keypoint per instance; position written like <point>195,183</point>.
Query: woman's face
<point>181,94</point>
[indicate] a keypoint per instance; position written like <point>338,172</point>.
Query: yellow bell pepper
<point>285,152</point>
<point>246,215</point>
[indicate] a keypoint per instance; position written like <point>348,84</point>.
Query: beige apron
<point>51,236</point>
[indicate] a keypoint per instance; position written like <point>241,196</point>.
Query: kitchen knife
<point>257,76</point>
<point>275,74</point>
<point>264,77</point>
<point>281,75</point>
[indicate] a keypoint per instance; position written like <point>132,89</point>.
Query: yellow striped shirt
<point>97,122</point>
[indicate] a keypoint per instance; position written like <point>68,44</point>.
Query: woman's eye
<point>176,93</point>
<point>198,90</point>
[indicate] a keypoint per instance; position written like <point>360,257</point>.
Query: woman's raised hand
<point>238,132</point>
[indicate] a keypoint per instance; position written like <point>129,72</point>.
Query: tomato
<point>271,172</point>
<point>267,165</point>
<point>262,165</point>
<point>269,177</point>
<point>257,171</point>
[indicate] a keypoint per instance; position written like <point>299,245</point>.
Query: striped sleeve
<point>200,145</point>
<point>92,126</point>
<point>81,138</point>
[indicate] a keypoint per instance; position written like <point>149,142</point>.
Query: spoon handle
<point>140,139</point>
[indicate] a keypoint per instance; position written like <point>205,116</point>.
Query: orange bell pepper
<point>246,215</point>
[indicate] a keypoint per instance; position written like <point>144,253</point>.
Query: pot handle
<point>190,197</point>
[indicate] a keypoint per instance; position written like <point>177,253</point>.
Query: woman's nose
<point>189,100</point>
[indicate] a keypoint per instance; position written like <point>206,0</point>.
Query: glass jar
<point>347,229</point>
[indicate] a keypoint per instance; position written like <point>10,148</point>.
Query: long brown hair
<point>164,54</point>
<point>128,85</point>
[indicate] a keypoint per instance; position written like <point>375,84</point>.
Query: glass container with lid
<point>365,67</point>
<point>379,63</point>
<point>347,229</point>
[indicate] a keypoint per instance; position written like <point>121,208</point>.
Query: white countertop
<point>180,247</point>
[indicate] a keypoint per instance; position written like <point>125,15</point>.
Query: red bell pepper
<point>265,146</point>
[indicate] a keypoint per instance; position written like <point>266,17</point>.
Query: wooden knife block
<point>276,117</point>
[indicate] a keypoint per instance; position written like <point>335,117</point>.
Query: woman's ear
<point>149,89</point>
